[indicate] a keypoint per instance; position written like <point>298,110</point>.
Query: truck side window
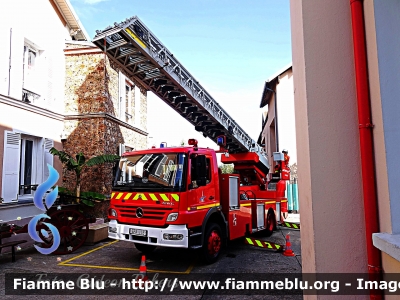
<point>208,167</point>
<point>200,170</point>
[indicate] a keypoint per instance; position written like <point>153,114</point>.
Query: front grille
<point>149,213</point>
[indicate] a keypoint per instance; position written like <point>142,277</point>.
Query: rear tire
<point>145,248</point>
<point>212,244</point>
<point>270,223</point>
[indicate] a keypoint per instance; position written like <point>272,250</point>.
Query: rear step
<point>195,234</point>
<point>195,247</point>
<point>195,240</point>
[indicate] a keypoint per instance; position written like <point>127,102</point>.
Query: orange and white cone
<point>143,269</point>
<point>288,249</point>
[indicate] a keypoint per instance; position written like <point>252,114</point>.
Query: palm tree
<point>79,164</point>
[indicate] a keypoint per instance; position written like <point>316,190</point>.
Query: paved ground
<point>122,257</point>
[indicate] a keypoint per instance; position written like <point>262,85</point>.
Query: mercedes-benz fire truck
<point>177,196</point>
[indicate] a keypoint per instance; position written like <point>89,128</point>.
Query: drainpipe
<point>366,145</point>
<point>9,64</point>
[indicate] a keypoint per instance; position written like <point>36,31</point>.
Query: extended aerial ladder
<point>136,50</point>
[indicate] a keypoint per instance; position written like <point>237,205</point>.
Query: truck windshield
<point>151,171</point>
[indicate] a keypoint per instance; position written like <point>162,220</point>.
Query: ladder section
<point>136,50</point>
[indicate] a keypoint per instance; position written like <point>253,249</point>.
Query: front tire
<point>145,248</point>
<point>212,244</point>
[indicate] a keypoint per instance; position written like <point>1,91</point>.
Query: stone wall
<point>92,125</point>
<point>113,86</point>
<point>85,89</point>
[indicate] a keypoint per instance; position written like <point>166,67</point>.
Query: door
<point>203,196</point>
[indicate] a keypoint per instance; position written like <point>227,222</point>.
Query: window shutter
<point>48,158</point>
<point>11,164</point>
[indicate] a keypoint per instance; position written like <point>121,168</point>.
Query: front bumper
<point>154,235</point>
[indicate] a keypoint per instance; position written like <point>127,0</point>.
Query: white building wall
<point>38,124</point>
<point>286,119</point>
<point>33,21</point>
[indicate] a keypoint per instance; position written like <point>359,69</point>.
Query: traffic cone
<point>143,269</point>
<point>288,249</point>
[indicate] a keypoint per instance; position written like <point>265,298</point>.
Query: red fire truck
<point>177,196</point>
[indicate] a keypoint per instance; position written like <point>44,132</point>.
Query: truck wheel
<point>145,248</point>
<point>212,245</point>
<point>270,223</point>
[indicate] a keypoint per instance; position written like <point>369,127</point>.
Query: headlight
<point>113,212</point>
<point>172,217</point>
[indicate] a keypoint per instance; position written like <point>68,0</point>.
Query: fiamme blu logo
<point>49,200</point>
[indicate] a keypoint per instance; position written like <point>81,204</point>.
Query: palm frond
<point>101,159</point>
<point>88,203</point>
<point>80,159</point>
<point>71,164</point>
<point>63,156</point>
<point>93,196</point>
<point>65,191</point>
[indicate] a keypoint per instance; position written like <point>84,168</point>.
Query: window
<point>200,170</point>
<point>24,165</point>
<point>30,73</point>
<point>137,107</point>
<point>128,101</point>
<point>151,171</point>
<point>208,170</point>
<point>31,57</point>
<point>125,99</point>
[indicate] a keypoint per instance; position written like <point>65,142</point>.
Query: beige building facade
<point>279,131</point>
<point>329,162</point>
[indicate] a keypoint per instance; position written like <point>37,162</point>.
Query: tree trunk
<point>78,187</point>
<point>78,192</point>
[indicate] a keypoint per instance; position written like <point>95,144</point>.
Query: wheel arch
<point>215,216</point>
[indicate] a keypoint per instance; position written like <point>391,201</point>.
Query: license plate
<point>140,232</point>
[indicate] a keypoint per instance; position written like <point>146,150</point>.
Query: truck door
<point>202,192</point>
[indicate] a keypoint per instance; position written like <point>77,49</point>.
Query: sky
<point>230,47</point>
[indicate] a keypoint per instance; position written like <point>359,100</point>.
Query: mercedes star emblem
<point>139,212</point>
